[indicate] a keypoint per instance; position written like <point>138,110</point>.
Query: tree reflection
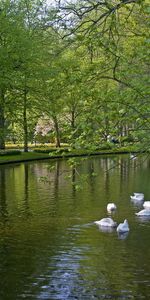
<point>107,177</point>
<point>3,203</point>
<point>26,190</point>
<point>73,181</point>
<point>56,178</point>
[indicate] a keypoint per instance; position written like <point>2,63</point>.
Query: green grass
<point>22,157</point>
<point>32,146</point>
<point>50,152</point>
<point>39,155</point>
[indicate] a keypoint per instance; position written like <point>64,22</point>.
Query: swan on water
<point>123,227</point>
<point>138,194</point>
<point>106,229</point>
<point>137,197</point>
<point>111,207</point>
<point>108,222</point>
<point>123,235</point>
<point>144,212</point>
<point>146,204</point>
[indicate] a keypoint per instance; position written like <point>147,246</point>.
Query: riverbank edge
<point>61,156</point>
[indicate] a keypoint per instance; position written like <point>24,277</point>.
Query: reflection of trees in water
<point>148,164</point>
<point>53,173</point>
<point>26,190</point>
<point>91,171</point>
<point>61,173</point>
<point>52,256</point>
<point>113,176</point>
<point>3,204</point>
<point>107,163</point>
<point>58,174</point>
<point>118,173</point>
<point>124,172</point>
<point>73,180</point>
<point>56,179</point>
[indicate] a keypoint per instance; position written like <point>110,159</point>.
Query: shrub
<point>9,152</point>
<point>51,150</point>
<point>106,146</point>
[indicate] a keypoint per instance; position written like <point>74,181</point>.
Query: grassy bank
<point>22,157</point>
<point>62,153</point>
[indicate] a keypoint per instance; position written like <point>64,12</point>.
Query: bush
<point>9,152</point>
<point>44,150</point>
<point>51,150</point>
<point>127,139</point>
<point>106,146</point>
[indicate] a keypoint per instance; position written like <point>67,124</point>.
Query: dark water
<point>49,246</point>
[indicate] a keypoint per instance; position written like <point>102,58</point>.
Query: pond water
<point>50,247</point>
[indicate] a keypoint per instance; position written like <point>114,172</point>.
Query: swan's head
<point>125,222</point>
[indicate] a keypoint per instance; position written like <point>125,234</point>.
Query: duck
<point>107,222</point>
<point>111,207</point>
<point>146,204</point>
<point>137,197</point>
<point>143,212</point>
<point>123,227</point>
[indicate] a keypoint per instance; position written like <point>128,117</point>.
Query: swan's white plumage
<point>137,197</point>
<point>123,227</point>
<point>138,194</point>
<point>144,212</point>
<point>111,207</point>
<point>108,222</point>
<point>146,204</point>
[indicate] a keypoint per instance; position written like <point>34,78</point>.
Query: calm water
<point>49,246</point>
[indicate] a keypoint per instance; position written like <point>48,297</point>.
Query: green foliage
<point>91,84</point>
<point>51,150</point>
<point>9,152</point>
<point>106,146</point>
<point>44,150</point>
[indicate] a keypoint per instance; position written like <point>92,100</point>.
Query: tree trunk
<point>73,127</point>
<point>25,125</point>
<point>57,131</point>
<point>2,120</point>
<point>106,122</point>
<point>73,119</point>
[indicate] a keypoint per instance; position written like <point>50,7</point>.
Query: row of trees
<point>75,72</point>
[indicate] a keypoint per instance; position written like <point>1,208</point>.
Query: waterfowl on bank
<point>133,156</point>
<point>107,222</point>
<point>146,204</point>
<point>143,212</point>
<point>111,207</point>
<point>123,227</point>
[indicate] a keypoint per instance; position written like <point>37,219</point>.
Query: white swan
<point>146,204</point>
<point>137,197</point>
<point>123,235</point>
<point>108,222</point>
<point>138,194</point>
<point>123,227</point>
<point>111,207</point>
<point>143,212</point>
<point>106,229</point>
